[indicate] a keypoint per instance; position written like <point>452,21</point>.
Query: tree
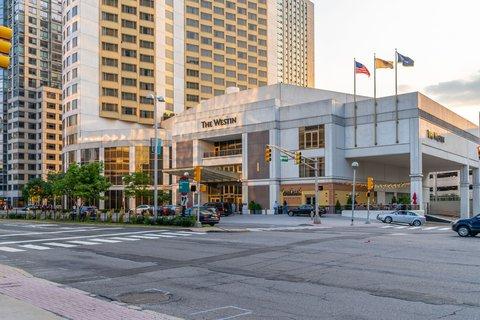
<point>164,197</point>
<point>55,182</point>
<point>137,185</point>
<point>35,190</point>
<point>90,182</point>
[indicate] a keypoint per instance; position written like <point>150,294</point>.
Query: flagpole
<point>396,95</point>
<point>355,101</point>
<point>375,98</point>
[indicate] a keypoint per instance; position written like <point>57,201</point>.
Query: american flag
<point>360,68</point>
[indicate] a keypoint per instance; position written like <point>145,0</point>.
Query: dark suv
<point>467,227</point>
<point>223,208</point>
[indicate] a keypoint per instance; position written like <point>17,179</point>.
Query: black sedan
<point>207,215</point>
<point>304,209</point>
<point>467,227</point>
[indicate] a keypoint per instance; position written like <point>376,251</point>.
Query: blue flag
<point>405,61</point>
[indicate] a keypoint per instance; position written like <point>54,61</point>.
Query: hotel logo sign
<point>218,122</point>
<point>435,136</point>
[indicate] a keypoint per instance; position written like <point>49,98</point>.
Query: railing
<point>222,153</point>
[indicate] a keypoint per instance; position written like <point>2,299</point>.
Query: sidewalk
<point>24,297</point>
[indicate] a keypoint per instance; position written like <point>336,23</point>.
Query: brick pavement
<point>66,302</point>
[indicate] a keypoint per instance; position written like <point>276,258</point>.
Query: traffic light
<point>268,154</point>
<point>5,46</point>
<point>370,184</point>
<point>197,173</point>
<point>298,157</point>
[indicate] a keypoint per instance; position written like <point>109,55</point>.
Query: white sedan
<point>402,216</point>
<point>143,208</point>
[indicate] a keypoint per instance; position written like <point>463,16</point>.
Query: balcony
<point>222,153</point>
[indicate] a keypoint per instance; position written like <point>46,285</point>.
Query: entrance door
<point>214,199</point>
<point>310,199</point>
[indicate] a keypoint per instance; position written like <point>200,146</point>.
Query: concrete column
<point>101,158</point>
<point>245,170</point>
<point>464,192</point>
<point>426,193</point>
<point>275,170</point>
<point>416,167</point>
<point>476,191</point>
<point>381,198</point>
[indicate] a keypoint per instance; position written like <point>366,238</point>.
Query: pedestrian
<point>285,207</point>
<point>275,207</point>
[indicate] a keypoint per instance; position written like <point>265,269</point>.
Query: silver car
<point>402,216</point>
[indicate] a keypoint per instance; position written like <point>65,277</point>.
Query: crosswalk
<point>74,242</point>
<point>287,228</point>
<point>431,229</point>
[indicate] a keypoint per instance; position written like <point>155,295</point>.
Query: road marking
<point>143,237</point>
<point>61,245</point>
<point>78,237</point>
<point>105,240</point>
<point>243,311</point>
<point>160,236</point>
<point>35,247</point>
<point>430,228</point>
<point>8,249</point>
<point>401,227</point>
<point>398,234</point>
<point>191,232</point>
<point>444,229</point>
<point>387,227</point>
<point>56,232</point>
<point>87,243</point>
<point>175,234</point>
<point>415,228</point>
<point>125,238</point>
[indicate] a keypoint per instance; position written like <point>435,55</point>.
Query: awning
<point>209,174</point>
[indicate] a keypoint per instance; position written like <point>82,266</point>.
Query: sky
<point>440,35</point>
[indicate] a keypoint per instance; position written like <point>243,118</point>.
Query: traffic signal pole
<point>298,156</point>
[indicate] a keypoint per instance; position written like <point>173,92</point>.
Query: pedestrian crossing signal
<point>298,157</point>
<point>268,154</point>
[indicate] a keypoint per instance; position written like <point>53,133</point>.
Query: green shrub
<point>338,206</point>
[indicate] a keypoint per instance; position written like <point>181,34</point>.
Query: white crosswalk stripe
<point>387,227</point>
<point>414,228</point>
<point>8,249</point>
<point>105,240</point>
<point>35,247</point>
<point>124,239</point>
<point>175,234</point>
<point>401,227</point>
<point>143,237</point>
<point>444,229</point>
<point>430,228</point>
<point>87,243</point>
<point>160,235</point>
<point>61,245</point>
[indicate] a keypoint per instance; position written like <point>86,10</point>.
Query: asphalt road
<point>330,273</point>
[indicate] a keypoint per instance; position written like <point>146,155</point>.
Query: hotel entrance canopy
<point>209,174</point>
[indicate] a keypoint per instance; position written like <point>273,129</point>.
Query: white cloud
<point>457,92</point>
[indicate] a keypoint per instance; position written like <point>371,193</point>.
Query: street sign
<point>284,158</point>
<point>184,186</point>
<point>184,201</point>
<point>159,146</point>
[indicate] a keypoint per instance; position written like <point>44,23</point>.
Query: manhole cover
<point>145,297</point>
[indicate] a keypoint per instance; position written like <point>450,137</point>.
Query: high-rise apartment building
<point>32,135</point>
<point>118,52</point>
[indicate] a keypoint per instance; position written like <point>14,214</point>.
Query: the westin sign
<point>218,122</point>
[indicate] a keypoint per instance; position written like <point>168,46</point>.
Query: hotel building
<point>117,52</point>
<point>227,136</point>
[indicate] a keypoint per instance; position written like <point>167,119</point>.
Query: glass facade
<point>116,164</point>
<point>144,162</point>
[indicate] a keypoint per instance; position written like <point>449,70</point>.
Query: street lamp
<point>155,157</point>
<point>354,166</point>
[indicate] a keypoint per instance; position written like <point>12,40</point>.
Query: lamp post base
<point>198,224</point>
<point>316,220</point>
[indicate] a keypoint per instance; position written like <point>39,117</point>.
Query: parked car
<point>30,208</point>
<point>143,209</point>
<point>304,210</point>
<point>224,208</point>
<point>207,215</point>
<point>169,210</point>
<point>467,227</point>
<point>402,216</point>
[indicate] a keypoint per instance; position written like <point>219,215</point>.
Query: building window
<point>312,137</point>
<point>89,155</point>
<point>305,171</point>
